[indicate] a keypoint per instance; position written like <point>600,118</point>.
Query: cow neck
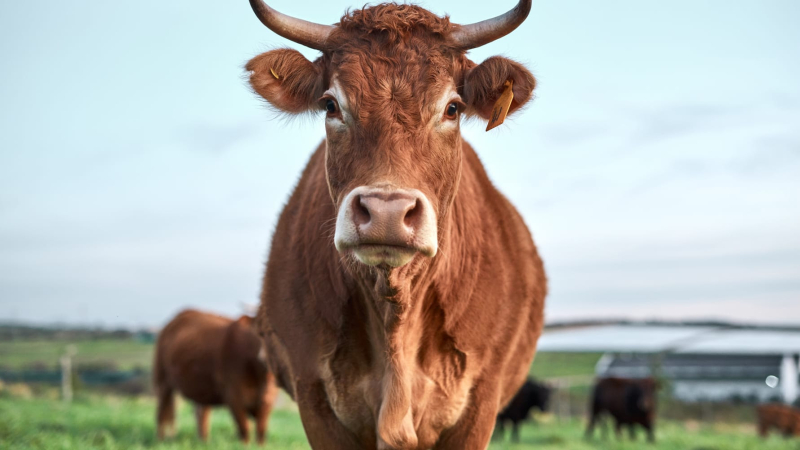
<point>394,300</point>
<point>394,293</point>
<point>397,302</point>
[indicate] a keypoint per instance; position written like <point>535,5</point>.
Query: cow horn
<point>310,34</point>
<point>481,33</point>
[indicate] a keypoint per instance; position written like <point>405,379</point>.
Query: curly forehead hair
<point>398,20</point>
<point>393,36</point>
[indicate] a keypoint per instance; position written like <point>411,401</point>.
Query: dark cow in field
<point>531,395</point>
<point>783,418</point>
<point>630,402</point>
<point>213,361</point>
<point>403,296</point>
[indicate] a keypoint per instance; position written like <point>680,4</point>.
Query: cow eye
<point>331,107</point>
<point>452,110</point>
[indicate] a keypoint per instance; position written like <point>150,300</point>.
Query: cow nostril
<point>412,215</point>
<point>361,213</point>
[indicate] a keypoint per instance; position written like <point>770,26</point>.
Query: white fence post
<point>66,372</point>
<point>788,379</point>
<point>564,403</point>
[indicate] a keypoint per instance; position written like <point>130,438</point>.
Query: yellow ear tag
<point>500,109</point>
<point>274,74</point>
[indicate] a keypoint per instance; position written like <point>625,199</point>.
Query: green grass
<point>126,353</point>
<point>111,423</point>
<point>130,353</point>
<point>95,422</point>
<point>669,436</point>
<point>551,365</point>
<point>119,423</point>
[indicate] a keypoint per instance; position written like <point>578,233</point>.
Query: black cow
<point>531,395</point>
<point>630,402</point>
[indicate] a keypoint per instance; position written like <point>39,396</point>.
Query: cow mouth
<point>385,227</point>
<point>380,254</point>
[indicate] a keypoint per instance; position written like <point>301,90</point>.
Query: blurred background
<point>658,168</point>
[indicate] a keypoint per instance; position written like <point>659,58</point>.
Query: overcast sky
<point>658,167</point>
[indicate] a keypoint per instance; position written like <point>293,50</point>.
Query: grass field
<point>111,423</point>
<point>125,353</point>
<point>550,365</point>
<point>128,353</point>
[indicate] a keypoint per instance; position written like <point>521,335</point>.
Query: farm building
<point>700,363</point>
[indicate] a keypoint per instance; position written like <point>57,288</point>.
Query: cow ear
<point>287,80</point>
<point>485,83</point>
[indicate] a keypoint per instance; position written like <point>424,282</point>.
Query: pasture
<point>38,420</point>
<point>129,353</point>
<point>121,353</point>
<point>107,422</point>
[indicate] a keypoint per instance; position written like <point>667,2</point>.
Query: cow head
<point>393,82</point>
<point>243,340</point>
<point>535,395</point>
<point>645,395</point>
<point>542,395</point>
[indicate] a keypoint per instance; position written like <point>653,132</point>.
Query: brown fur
<point>213,361</point>
<point>783,418</point>
<point>424,355</point>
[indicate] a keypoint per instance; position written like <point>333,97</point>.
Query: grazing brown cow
<point>212,361</point>
<point>630,402</point>
<point>783,418</point>
<point>403,296</point>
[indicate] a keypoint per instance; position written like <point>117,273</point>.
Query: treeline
<point>19,332</point>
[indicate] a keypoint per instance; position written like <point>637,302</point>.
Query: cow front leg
<point>240,417</point>
<point>322,427</point>
<point>474,429</point>
<point>165,416</point>
<point>651,437</point>
<point>262,416</point>
<point>589,433</point>
<point>515,432</point>
<point>201,413</point>
<point>499,431</point>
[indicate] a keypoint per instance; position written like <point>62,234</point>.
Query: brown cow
<point>212,360</point>
<point>783,418</point>
<point>629,401</point>
<point>403,296</point>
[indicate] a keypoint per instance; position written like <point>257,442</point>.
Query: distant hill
<point>12,331</point>
<point>571,324</point>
